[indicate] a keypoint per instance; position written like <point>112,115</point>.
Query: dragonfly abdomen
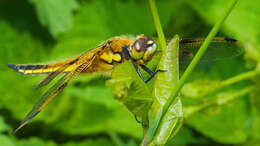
<point>31,69</point>
<point>36,69</point>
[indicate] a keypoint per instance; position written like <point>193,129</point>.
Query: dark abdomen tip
<point>12,66</point>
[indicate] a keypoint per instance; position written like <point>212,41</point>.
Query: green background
<point>85,113</point>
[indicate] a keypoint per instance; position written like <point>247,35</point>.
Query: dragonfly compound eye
<point>150,50</point>
<point>143,48</point>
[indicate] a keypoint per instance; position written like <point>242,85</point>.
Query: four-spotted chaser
<point>106,56</point>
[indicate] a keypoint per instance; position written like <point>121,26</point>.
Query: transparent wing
<point>54,74</point>
<point>68,66</point>
<point>54,91</point>
<point>220,48</point>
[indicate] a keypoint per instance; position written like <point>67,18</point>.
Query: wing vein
<point>50,94</point>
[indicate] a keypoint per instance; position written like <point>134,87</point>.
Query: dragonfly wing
<point>220,48</point>
<point>54,91</point>
<point>54,74</point>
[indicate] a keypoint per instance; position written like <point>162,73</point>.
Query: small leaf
<point>56,15</point>
<point>129,89</point>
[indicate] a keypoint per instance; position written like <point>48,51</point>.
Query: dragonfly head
<point>142,49</point>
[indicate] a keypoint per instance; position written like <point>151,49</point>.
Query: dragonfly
<point>106,56</point>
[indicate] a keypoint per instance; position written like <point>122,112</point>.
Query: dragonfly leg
<point>137,120</point>
<point>152,74</point>
<point>127,57</point>
<point>146,69</point>
<point>138,71</point>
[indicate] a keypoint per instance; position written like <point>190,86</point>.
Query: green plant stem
<point>198,56</point>
<point>191,66</point>
<point>232,80</point>
<point>221,100</point>
<point>239,77</point>
<point>157,24</point>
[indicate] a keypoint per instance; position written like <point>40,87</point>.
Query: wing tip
<point>20,126</point>
<point>230,39</point>
<point>26,120</point>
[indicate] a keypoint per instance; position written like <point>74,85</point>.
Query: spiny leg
<point>138,71</point>
<point>127,57</point>
<point>146,69</point>
<point>152,74</point>
<point>137,120</point>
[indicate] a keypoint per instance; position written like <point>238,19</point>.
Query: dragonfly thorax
<point>142,49</point>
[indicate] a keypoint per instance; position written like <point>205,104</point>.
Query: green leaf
<point>163,85</point>
<point>129,89</point>
<point>219,106</point>
<point>56,15</point>
<point>235,117</point>
<point>209,115</point>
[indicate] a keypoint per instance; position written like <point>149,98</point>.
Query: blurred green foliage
<point>57,15</point>
<point>86,113</point>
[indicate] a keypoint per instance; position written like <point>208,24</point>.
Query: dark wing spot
<point>186,40</point>
<point>230,39</point>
